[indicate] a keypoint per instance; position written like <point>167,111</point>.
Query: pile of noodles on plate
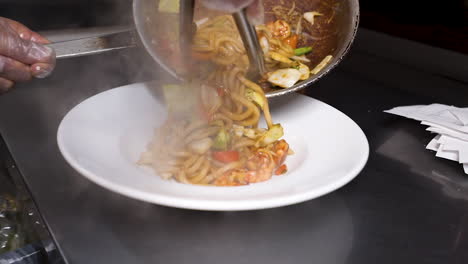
<point>212,134</point>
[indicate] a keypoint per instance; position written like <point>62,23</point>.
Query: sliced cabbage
<point>201,146</point>
<point>255,97</point>
<point>304,70</point>
<point>221,141</point>
<point>302,58</point>
<point>310,16</point>
<point>322,64</point>
<point>281,58</point>
<point>285,77</point>
<point>264,44</point>
<point>273,134</point>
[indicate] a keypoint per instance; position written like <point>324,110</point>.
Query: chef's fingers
<point>42,70</point>
<point>25,51</point>
<point>5,85</point>
<point>25,33</point>
<point>14,70</point>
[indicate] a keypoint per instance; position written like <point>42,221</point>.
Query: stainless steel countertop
<point>405,207</point>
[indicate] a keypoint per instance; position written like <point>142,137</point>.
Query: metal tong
<point>246,30</point>
<point>252,45</point>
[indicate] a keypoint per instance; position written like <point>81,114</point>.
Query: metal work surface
<point>405,207</point>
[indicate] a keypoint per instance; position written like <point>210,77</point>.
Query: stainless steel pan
<point>333,35</point>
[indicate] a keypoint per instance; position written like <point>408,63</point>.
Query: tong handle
<point>94,45</point>
<point>251,43</point>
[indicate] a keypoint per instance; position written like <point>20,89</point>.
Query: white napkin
<point>449,122</point>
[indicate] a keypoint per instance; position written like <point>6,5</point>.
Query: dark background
<point>438,23</point>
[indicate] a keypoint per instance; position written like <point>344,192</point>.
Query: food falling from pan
<point>212,135</point>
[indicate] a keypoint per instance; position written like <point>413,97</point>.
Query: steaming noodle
<point>211,136</point>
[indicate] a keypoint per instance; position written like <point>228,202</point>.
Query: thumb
<point>25,51</point>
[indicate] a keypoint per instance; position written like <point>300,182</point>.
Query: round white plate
<point>103,137</point>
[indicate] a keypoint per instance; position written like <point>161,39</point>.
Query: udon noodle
<point>211,136</point>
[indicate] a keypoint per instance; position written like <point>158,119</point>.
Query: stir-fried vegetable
<point>281,58</point>
<point>265,45</point>
<point>226,156</point>
<point>322,64</point>
<point>302,51</point>
<point>300,58</point>
<point>304,70</point>
<point>221,141</point>
<point>255,97</point>
<point>285,77</point>
<point>310,16</point>
<point>272,135</point>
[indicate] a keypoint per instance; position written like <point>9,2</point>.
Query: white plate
<point>103,137</point>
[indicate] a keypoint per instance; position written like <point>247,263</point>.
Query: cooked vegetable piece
<point>201,146</point>
<point>322,64</point>
<point>285,77</point>
<point>300,58</point>
<point>310,16</point>
<point>281,58</point>
<point>265,45</point>
<point>305,71</point>
<point>221,141</point>
<point>255,97</point>
<point>273,134</point>
<point>302,51</point>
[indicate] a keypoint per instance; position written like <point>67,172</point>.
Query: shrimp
<point>280,152</point>
<point>260,167</point>
<point>232,178</point>
<point>280,29</point>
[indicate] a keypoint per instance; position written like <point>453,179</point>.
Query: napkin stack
<point>448,122</point>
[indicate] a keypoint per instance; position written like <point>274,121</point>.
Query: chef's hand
<point>22,54</point>
<point>255,9</point>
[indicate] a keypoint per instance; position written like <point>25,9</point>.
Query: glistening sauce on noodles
<point>211,136</point>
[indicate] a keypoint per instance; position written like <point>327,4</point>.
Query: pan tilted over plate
<point>332,34</point>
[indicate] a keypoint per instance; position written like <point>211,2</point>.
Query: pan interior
<point>331,35</point>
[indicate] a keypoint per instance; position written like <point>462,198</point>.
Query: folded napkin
<point>448,122</point>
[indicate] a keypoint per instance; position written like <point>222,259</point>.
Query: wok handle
<point>100,42</point>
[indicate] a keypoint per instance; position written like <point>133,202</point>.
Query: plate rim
<point>207,204</point>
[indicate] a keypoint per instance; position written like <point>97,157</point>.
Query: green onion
<point>302,51</point>
<point>222,140</point>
